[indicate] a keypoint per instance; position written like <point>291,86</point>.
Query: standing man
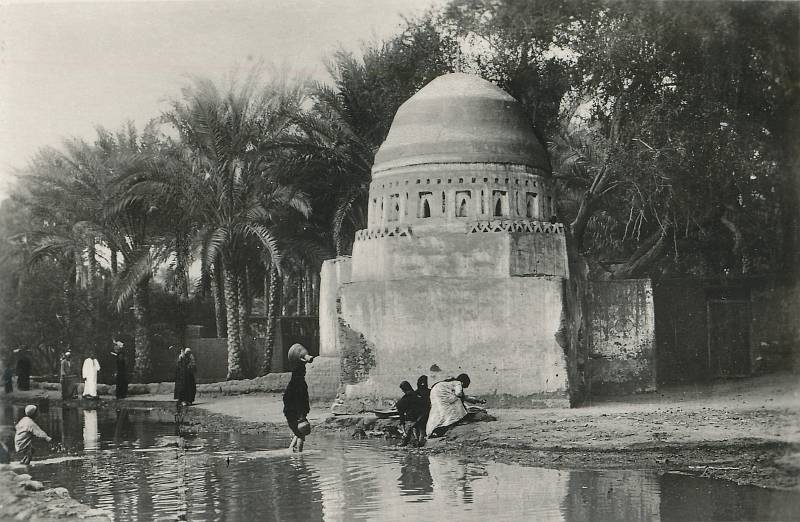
<point>122,369</point>
<point>23,370</point>
<point>8,379</point>
<point>67,377</point>
<point>89,373</point>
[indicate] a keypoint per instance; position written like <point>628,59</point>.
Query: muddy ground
<point>746,431</point>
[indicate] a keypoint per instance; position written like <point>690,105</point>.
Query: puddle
<point>134,464</point>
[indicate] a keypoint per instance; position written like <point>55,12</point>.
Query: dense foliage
<point>671,127</point>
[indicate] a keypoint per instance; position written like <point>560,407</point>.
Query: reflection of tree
<point>415,475</point>
<point>611,495</point>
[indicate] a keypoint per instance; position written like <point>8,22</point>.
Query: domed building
<point>462,265</point>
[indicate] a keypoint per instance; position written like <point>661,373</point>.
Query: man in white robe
<point>90,368</point>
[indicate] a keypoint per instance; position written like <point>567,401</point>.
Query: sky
<point>67,67</point>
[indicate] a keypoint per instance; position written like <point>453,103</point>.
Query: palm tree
<point>238,193</point>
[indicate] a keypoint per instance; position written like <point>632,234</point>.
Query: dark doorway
<point>728,338</point>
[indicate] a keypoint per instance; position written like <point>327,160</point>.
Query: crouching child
<point>27,430</point>
<point>413,411</point>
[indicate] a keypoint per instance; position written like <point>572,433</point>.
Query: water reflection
<point>415,476</point>
<point>91,434</point>
<point>135,466</point>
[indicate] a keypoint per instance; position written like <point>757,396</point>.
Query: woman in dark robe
<point>189,384</point>
<point>295,399</point>
<point>23,372</point>
<point>177,394</point>
<point>122,370</point>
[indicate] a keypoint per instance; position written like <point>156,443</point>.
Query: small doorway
<point>728,337</point>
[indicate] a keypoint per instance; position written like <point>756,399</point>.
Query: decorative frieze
<point>378,232</point>
<point>515,225</point>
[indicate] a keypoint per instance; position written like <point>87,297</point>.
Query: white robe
<point>446,405</point>
<point>90,369</point>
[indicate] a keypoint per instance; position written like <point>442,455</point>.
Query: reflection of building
<point>461,267</point>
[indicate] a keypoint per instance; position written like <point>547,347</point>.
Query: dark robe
<point>24,373</point>
<point>177,393</point>
<point>69,381</point>
<point>413,411</point>
<point>122,377</point>
<point>295,399</point>
<point>189,384</point>
<point>8,380</point>
<point>425,393</point>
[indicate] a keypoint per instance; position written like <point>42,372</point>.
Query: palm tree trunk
<point>307,293</point>
<point>143,364</point>
<point>244,317</point>
<point>272,317</point>
<point>219,302</point>
<point>284,301</point>
<point>299,294</point>
<point>232,309</point>
<point>113,260</point>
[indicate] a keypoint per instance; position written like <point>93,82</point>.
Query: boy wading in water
<point>295,398</point>
<point>27,430</point>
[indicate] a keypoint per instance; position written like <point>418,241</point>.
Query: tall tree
<point>233,135</point>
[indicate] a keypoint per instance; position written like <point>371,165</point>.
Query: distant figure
<point>23,372</point>
<point>413,413</point>
<point>447,404</point>
<point>177,392</point>
<point>27,430</point>
<point>121,377</point>
<point>8,379</point>
<point>69,385</point>
<point>89,373</point>
<point>295,399</point>
<point>189,383</point>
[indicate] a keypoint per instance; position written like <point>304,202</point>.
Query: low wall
<point>775,327</point>
<point>682,325</point>
<point>274,382</point>
<point>621,337</point>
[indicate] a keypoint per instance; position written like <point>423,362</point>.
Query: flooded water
<point>134,464</point>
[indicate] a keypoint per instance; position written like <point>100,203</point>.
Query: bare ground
<point>747,431</point>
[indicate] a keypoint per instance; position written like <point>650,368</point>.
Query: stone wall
<point>775,326</point>
<point>682,325</point>
<point>491,249</point>
<point>622,356</point>
<point>499,331</point>
<point>681,330</point>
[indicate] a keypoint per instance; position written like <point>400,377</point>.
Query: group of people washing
<point>430,412</point>
<point>425,412</point>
